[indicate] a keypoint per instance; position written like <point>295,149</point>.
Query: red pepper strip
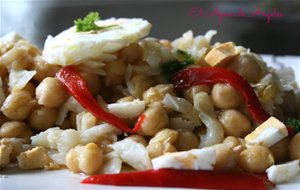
<point>184,179</point>
<point>77,87</point>
<point>187,78</point>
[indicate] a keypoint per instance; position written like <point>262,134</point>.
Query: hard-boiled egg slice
<point>70,46</point>
<point>195,159</point>
<point>283,172</point>
<point>268,133</point>
<point>132,153</point>
<point>127,109</point>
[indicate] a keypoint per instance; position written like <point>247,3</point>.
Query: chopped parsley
<point>183,59</point>
<point>88,23</point>
<point>294,124</point>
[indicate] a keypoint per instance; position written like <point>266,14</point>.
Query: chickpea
<point>18,105</point>
<point>51,93</point>
<point>294,147</point>
<point>186,140</point>
<point>12,129</point>
<point>140,84</point>
<point>234,142</point>
<point>139,139</point>
<point>3,70</point>
<point>131,53</point>
<point>280,150</point>
<point>162,143</point>
<point>226,157</point>
<point>235,123</point>
<point>26,135</point>
<point>17,145</point>
<point>157,149</point>
<point>225,96</point>
<point>30,88</point>
<point>16,58</point>
<point>248,67</point>
<point>43,118</point>
<point>189,93</point>
<point>115,72</point>
<point>157,93</point>
<point>5,151</point>
<point>5,91</point>
<point>156,118</point>
<point>30,48</point>
<point>165,135</point>
<point>87,159</point>
<point>5,47</point>
<point>43,69</point>
<point>2,95</point>
<point>166,43</point>
<point>3,119</point>
<point>85,120</point>
<point>93,82</point>
<point>256,159</point>
<point>34,158</point>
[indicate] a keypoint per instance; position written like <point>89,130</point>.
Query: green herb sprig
<point>88,23</point>
<point>294,124</point>
<point>183,59</point>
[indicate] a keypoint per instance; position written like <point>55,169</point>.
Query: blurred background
<point>35,19</point>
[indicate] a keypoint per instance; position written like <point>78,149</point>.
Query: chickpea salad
<point>101,98</point>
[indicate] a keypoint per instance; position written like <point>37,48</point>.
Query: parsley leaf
<point>88,23</point>
<point>183,59</point>
<point>184,56</point>
<point>294,124</point>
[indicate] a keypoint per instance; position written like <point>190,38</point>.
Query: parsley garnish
<point>294,124</point>
<point>183,59</point>
<point>88,23</point>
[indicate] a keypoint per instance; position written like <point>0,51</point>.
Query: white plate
<point>64,179</point>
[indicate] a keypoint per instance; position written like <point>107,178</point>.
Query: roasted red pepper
<point>187,78</point>
<point>185,179</point>
<point>77,87</point>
